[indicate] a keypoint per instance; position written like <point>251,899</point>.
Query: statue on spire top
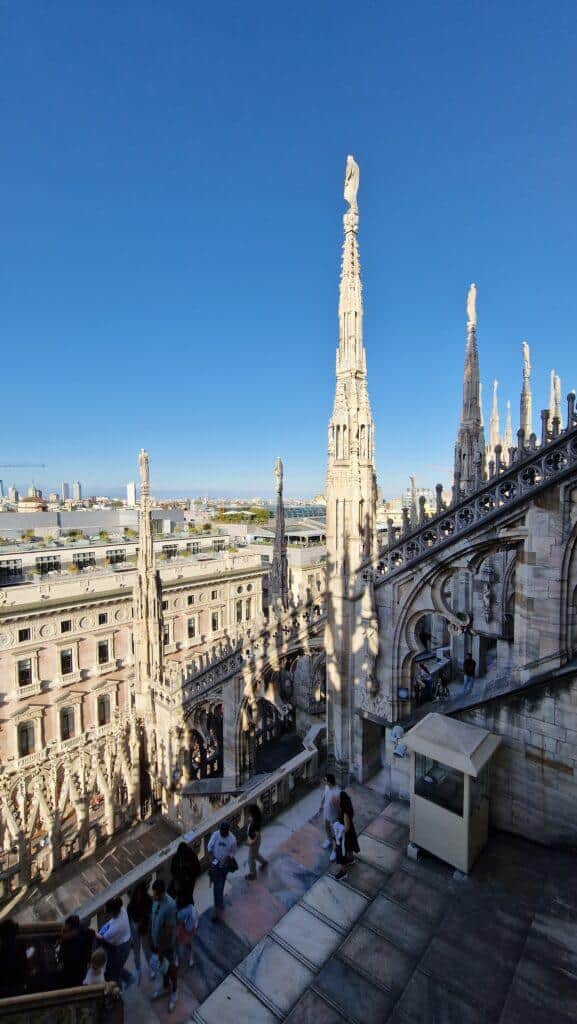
<point>144,468</point>
<point>351,182</point>
<point>278,474</point>
<point>472,305</point>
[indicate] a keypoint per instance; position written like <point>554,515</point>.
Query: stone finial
<point>352,175</point>
<point>558,414</point>
<point>526,397</point>
<point>143,465</point>
<point>472,306</point>
<point>278,474</point>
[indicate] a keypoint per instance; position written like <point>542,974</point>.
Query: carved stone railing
<point>531,471</point>
<point>273,794</point>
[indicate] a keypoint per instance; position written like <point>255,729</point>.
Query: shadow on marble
<point>378,854</point>
<point>389,832</point>
<point>307,935</point>
<point>357,998</point>
<point>406,931</point>
<point>421,899</point>
<point>275,973</point>
<point>338,904</point>
<point>365,878</point>
<point>252,910</point>
<point>366,804</point>
<point>426,1000</point>
<point>217,950</point>
<point>287,880</point>
<point>313,1009</point>
<point>481,980</point>
<point>305,846</point>
<point>378,958</point>
<point>231,1003</point>
<point>397,810</point>
<point>551,986</point>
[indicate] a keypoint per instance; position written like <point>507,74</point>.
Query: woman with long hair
<point>346,840</point>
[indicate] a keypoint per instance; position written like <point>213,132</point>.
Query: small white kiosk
<point>450,788</point>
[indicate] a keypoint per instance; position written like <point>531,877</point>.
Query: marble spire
<point>470,445</point>
<point>279,568</point>
<point>147,597</point>
<point>508,435</point>
<point>558,406</point>
<point>494,426</point>
<point>351,495</point>
<point>526,417</point>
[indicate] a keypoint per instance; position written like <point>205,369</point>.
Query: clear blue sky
<point>171,211</point>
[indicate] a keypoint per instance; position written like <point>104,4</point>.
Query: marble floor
<point>397,941</point>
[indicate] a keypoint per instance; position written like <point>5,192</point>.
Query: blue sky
<point>171,228</point>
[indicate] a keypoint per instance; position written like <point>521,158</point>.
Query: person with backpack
<point>346,842</point>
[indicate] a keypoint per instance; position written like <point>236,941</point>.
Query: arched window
<point>25,739</point>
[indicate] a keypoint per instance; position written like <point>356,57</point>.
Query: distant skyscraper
<point>131,494</point>
<point>13,493</point>
<point>64,491</point>
<point>77,491</point>
<point>1,488</point>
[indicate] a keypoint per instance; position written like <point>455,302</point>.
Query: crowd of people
<point>160,921</point>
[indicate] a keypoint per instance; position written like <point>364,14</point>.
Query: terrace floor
<point>397,941</point>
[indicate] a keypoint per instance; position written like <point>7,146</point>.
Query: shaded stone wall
<point>534,779</point>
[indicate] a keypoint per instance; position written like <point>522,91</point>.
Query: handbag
<point>232,864</point>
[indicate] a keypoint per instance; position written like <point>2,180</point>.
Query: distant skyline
<point>172,226</point>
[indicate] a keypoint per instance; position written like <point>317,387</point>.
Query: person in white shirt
<point>222,848</point>
<point>330,808</point>
<point>116,938</point>
<point>95,972</point>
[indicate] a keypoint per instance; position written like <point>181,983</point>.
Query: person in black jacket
<point>349,844</point>
<point>13,963</point>
<point>76,945</point>
<point>184,869</point>
<point>139,911</point>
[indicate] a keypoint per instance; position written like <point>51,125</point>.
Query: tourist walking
<point>13,963</point>
<point>469,669</point>
<point>139,911</point>
<point>222,848</point>
<point>253,838</point>
<point>163,939</point>
<point>116,938</point>
<point>186,925</point>
<point>76,945</point>
<point>184,868</point>
<point>330,810</point>
<point>346,841</point>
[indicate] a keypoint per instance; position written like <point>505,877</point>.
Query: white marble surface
<point>231,1003</point>
<point>308,935</point>
<point>377,853</point>
<point>277,974</point>
<point>335,902</point>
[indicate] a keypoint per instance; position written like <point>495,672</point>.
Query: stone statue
<point>472,305</point>
<point>351,182</point>
<point>144,468</point>
<point>526,361</point>
<point>487,600</point>
<point>278,473</point>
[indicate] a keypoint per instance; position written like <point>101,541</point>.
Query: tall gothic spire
<point>494,427</point>
<point>558,408</point>
<point>470,446</point>
<point>508,435</point>
<point>351,505</point>
<point>147,596</point>
<point>526,419</point>
<point>279,567</point>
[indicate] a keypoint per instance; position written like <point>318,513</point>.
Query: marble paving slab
<point>308,935</point>
<point>527,1004</point>
<point>313,1009</point>
<point>365,878</point>
<point>423,900</point>
<point>377,957</point>
<point>553,988</point>
<point>217,949</point>
<point>251,910</point>
<point>366,804</point>
<point>427,1000</point>
<point>486,928</point>
<point>231,1003</point>
<point>397,811</point>
<point>305,846</point>
<point>287,880</point>
<point>377,853</point>
<point>389,832</point>
<point>335,902</point>
<point>275,973</point>
<point>480,980</point>
<point>358,999</point>
<point>406,931</point>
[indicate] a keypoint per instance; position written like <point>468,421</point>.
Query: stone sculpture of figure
<point>472,305</point>
<point>278,472</point>
<point>486,595</point>
<point>351,182</point>
<point>143,466</point>
<point>526,361</point>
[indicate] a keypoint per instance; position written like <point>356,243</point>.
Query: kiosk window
<point>440,784</point>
